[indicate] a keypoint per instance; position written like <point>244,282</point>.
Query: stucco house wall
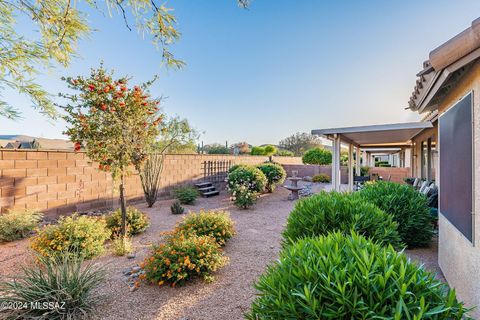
<point>459,259</point>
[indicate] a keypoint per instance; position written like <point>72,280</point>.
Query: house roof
<point>444,68</point>
<point>375,136</point>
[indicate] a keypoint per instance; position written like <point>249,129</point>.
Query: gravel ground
<point>255,245</point>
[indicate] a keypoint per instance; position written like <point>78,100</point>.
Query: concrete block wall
<point>58,182</point>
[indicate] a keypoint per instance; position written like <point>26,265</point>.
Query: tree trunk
<point>123,206</point>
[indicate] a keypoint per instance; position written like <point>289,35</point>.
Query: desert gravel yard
<point>255,245</point>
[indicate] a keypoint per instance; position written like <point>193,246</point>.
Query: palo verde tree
<point>116,123</point>
<point>58,26</point>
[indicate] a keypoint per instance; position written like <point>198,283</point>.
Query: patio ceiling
<point>383,135</point>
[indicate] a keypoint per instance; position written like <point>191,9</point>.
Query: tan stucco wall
<point>459,259</point>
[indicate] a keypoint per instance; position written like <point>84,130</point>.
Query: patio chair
<point>358,181</point>
<point>425,184</point>
<point>416,182</point>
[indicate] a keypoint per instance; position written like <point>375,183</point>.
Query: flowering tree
<point>115,123</point>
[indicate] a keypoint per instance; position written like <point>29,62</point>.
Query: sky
<point>280,67</point>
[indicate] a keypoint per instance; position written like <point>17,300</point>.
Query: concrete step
<point>206,189</point>
<point>211,193</point>
<point>203,184</point>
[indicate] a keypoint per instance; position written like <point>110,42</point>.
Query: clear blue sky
<point>282,66</point>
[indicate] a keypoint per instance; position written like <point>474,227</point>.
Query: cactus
<point>176,208</point>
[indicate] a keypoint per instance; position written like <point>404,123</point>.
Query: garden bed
<point>255,245</point>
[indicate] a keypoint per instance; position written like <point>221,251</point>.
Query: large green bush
<point>137,221</point>
<point>408,207</point>
<point>63,288</point>
<point>275,174</point>
<point>17,224</point>
<point>342,276</point>
<point>257,151</point>
<point>317,156</point>
<point>322,178</point>
<point>251,177</point>
<point>333,211</point>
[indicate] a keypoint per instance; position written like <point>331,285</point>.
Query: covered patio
<point>369,141</point>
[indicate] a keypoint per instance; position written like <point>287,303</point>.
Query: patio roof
<point>382,135</point>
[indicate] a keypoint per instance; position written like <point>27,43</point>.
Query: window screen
<point>455,127</point>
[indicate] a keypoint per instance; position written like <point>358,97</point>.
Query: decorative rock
<point>307,178</point>
<point>131,255</point>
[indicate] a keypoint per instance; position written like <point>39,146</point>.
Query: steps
<point>207,189</point>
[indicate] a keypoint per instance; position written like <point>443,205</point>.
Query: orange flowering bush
<point>216,224</point>
<point>182,258</point>
<point>115,122</point>
<point>72,236</point>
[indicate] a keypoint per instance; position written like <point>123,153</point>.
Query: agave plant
<point>54,288</point>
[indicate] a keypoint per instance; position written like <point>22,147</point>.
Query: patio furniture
<point>359,181</point>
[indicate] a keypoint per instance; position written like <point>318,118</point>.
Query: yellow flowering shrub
<point>216,224</point>
<point>181,258</point>
<point>74,235</point>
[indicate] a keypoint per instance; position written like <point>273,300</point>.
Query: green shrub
<point>257,151</point>
<point>71,236</point>
<point>317,156</point>
<point>122,245</point>
<point>243,197</point>
<point>137,221</point>
<point>176,208</point>
<point>182,258</point>
<point>275,174</point>
<point>235,167</point>
<point>349,277</point>
<point>251,177</point>
<point>330,212</point>
<point>216,224</point>
<point>17,224</point>
<point>322,178</point>
<point>270,150</point>
<point>186,195</point>
<point>284,153</point>
<point>364,170</point>
<point>66,286</point>
<point>408,207</point>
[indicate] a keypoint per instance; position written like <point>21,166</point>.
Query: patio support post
<point>350,167</point>
<point>336,163</point>
<point>358,159</point>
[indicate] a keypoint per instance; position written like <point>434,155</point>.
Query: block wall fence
<point>59,182</point>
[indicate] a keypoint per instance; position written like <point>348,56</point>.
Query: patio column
<point>350,167</point>
<point>336,163</point>
<point>358,158</point>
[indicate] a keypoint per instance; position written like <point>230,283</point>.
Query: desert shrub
<point>17,224</point>
<point>243,197</point>
<point>137,221</point>
<point>342,212</point>
<point>322,178</point>
<point>73,235</point>
<point>317,156</point>
<point>150,175</point>
<point>274,173</point>
<point>251,177</point>
<point>65,285</point>
<point>235,167</point>
<point>408,207</point>
<point>122,245</point>
<point>349,277</point>
<point>257,151</point>
<point>270,150</point>
<point>216,224</point>
<point>284,153</point>
<point>182,258</point>
<point>176,208</point>
<point>186,195</point>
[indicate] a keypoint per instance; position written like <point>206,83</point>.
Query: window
<point>456,151</point>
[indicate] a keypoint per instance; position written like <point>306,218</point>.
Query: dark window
<point>455,147</point>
